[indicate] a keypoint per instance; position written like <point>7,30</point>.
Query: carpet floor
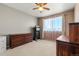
<point>35,48</point>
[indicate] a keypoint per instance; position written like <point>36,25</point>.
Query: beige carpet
<point>35,48</point>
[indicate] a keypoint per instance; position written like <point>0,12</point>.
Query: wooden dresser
<point>66,48</point>
<point>20,39</point>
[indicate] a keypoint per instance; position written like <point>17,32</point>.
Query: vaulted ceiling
<point>54,8</point>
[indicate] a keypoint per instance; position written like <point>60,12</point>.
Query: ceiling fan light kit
<point>41,7</point>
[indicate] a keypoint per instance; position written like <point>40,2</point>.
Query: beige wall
<point>69,18</point>
<point>14,22</point>
<point>77,13</point>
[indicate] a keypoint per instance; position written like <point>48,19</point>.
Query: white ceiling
<point>54,8</point>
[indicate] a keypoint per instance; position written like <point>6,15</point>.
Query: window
<point>57,24</point>
<point>53,24</point>
<point>47,25</point>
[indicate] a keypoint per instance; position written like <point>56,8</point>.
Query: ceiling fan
<point>41,7</point>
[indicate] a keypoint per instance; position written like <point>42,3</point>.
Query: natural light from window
<point>53,24</point>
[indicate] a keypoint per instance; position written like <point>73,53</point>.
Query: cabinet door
<point>76,50</point>
<point>63,49</point>
<point>59,50</point>
<point>73,32</point>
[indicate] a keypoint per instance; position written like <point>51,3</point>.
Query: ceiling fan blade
<point>41,4</point>
<point>37,4</point>
<point>44,4</point>
<point>46,8</point>
<point>35,8</point>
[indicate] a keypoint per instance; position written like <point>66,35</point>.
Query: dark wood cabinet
<point>65,48</point>
<point>20,39</point>
<point>70,46</point>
